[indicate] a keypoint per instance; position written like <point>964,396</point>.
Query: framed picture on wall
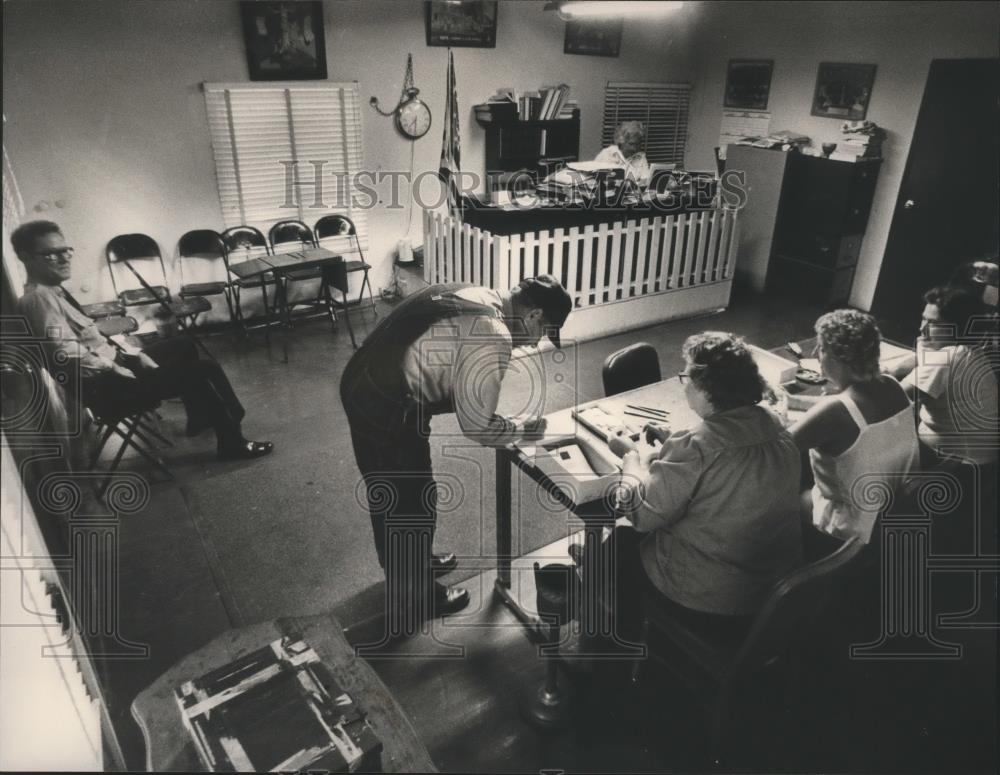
<point>284,40</point>
<point>748,83</point>
<point>470,23</point>
<point>593,37</point>
<point>843,90</point>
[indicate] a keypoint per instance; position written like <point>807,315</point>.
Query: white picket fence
<point>621,275</point>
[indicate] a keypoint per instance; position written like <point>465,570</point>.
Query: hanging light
<point>593,9</point>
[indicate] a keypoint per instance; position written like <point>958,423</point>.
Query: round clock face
<point>413,119</point>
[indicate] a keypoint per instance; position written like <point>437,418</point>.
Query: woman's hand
<point>656,433</point>
<point>621,443</point>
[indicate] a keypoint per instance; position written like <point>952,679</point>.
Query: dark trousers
<point>202,385</point>
<point>630,589</point>
<point>393,453</point>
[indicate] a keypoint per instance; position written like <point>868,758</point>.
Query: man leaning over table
<point>443,350</point>
<point>114,375</point>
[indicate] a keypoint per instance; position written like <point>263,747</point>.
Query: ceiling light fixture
<point>594,9</point>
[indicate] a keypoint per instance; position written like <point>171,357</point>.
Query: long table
<point>282,265</point>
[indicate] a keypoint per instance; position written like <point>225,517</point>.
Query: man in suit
<point>113,375</point>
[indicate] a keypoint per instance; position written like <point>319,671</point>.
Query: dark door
<point>946,212</point>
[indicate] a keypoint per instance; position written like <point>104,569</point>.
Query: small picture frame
<point>748,83</point>
<point>284,40</point>
<point>593,37</point>
<point>843,90</point>
<point>469,23</point>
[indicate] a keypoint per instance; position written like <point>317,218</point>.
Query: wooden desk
<point>168,743</point>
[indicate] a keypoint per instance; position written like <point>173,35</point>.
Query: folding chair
<point>342,226</point>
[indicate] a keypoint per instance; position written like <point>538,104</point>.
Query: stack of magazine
<point>277,709</point>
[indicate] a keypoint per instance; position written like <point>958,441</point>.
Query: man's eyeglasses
<point>60,254</point>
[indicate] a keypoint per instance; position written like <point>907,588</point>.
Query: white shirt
<point>958,408</point>
<point>464,359</point>
<point>636,166</point>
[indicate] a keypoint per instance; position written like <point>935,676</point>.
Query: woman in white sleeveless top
<point>859,439</point>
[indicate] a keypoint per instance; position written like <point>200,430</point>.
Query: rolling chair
<point>204,244</point>
<point>631,367</point>
<point>242,243</point>
<point>713,667</point>
<point>131,248</point>
<point>330,226</point>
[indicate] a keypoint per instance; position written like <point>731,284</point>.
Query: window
<point>662,107</point>
<point>272,142</point>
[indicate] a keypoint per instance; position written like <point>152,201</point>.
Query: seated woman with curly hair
<point>630,137</point>
<point>715,510</point>
<point>862,435</point>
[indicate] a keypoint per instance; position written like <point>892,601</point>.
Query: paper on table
<point>810,363</point>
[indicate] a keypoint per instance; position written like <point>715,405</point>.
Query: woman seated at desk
<point>715,510</point>
<point>629,138</point>
<point>863,434</point>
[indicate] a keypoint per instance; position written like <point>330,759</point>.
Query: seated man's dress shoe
<point>444,563</point>
<point>449,600</point>
<point>245,450</point>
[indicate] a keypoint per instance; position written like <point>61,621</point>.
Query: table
<point>667,395</point>
<point>283,265</point>
<point>168,743</point>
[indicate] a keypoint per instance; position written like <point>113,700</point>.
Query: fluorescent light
<point>587,9</point>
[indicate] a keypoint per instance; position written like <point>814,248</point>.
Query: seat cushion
<point>203,289</point>
<point>357,266</point>
<point>116,325</point>
<point>142,296</point>
<point>304,274</point>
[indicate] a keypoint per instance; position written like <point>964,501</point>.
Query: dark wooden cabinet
<point>527,145</point>
<point>822,216</point>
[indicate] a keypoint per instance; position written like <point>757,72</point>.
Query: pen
<point>646,416</point>
<point>649,409</point>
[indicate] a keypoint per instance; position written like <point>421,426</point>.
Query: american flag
<point>451,152</point>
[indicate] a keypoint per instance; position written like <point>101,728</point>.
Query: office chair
<point>630,368</point>
<point>713,667</point>
<point>204,244</point>
<point>242,243</point>
<point>330,226</point>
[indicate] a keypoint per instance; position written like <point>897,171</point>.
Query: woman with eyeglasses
<point>858,438</point>
<point>715,509</point>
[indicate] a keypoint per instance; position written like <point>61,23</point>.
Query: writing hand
<point>621,443</point>
<point>534,428</point>
<point>656,433</point>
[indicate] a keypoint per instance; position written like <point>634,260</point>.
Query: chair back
<point>630,368</point>
<point>204,244</point>
<point>795,602</point>
<point>133,248</point>
<point>290,231</point>
<point>242,243</point>
<point>334,226</point>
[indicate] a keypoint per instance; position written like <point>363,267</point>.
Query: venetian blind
<point>271,144</point>
<point>662,107</point>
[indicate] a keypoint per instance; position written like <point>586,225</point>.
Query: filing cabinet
<point>822,216</point>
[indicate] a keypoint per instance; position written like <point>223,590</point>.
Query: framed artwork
<point>593,37</point>
<point>284,40</point>
<point>748,83</point>
<point>843,91</point>
<point>470,23</point>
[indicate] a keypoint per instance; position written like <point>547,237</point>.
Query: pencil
<point>649,409</point>
<point>646,416</point>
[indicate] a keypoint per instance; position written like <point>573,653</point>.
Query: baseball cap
<point>547,293</point>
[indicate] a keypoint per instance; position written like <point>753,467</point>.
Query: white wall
<point>900,38</point>
<point>106,121</point>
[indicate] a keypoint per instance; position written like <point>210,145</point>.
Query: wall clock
<point>413,117</point>
<point>411,114</point>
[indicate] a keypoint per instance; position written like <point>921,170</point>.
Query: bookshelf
<point>513,145</point>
